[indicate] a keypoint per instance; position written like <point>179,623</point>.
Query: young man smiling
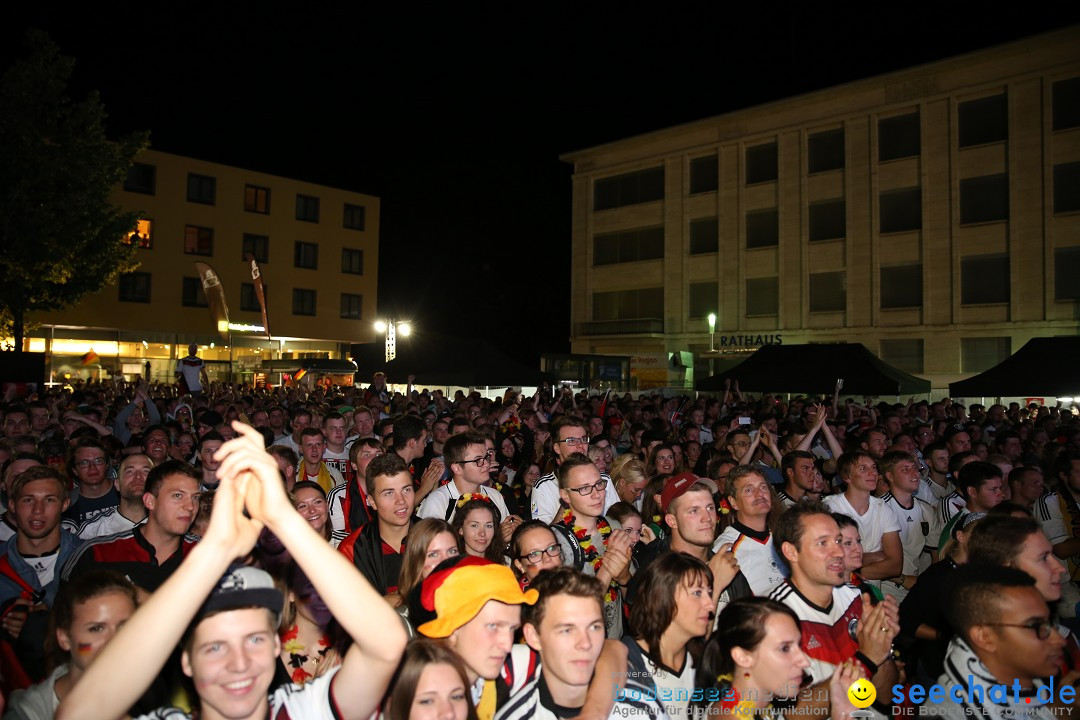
<point>231,645</point>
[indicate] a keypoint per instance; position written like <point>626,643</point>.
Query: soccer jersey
<point>929,491</point>
<point>545,497</point>
<point>758,559</point>
<point>1057,517</point>
<point>109,522</point>
<point>828,634</point>
<point>440,502</point>
<point>129,554</point>
<point>914,531</point>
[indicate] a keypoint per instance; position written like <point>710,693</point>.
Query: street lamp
<point>392,329</point>
<point>712,332</point>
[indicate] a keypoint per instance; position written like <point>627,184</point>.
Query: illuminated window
<point>352,261</point>
<point>257,199</point>
<point>307,208</point>
<point>351,306</point>
<point>257,245</point>
<point>303,301</point>
<point>135,287</point>
<point>198,240</point>
<point>141,178</point>
<point>142,236</point>
<point>355,217</point>
<point>201,189</point>
<point>192,294</point>
<point>306,255</point>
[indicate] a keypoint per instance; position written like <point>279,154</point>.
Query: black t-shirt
<point>84,509</point>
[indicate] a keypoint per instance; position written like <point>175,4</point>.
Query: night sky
<point>456,117</point>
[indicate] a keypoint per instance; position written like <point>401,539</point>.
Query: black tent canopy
<point>1047,366</point>
<point>815,369</point>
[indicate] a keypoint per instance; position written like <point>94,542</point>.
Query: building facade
<point>932,214</point>
<point>317,248</point>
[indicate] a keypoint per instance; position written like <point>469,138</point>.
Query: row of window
<point>984,280</point>
<point>979,122</point>
<point>976,354</point>
<point>135,287</point>
<point>200,241</point>
<point>202,189</point>
<point>982,199</point>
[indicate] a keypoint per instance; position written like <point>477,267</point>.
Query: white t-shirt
<point>436,504</point>
<point>876,522</point>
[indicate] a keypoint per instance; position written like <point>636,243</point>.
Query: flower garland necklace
<point>299,655</point>
<point>585,541</point>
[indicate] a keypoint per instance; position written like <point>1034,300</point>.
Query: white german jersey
<point>758,560</point>
<point>914,531</point>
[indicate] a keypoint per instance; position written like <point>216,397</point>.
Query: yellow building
<point>317,247</point>
<point>932,214</point>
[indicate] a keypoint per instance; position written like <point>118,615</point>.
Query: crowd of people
<point>223,551</point>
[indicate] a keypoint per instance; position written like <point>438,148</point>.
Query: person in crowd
<point>209,443</point>
<point>533,549</point>
<point>130,483</point>
<point>853,556</point>
<point>1059,514</point>
<point>312,466</point>
<point>800,478</point>
<point>430,684</point>
<point>336,453</point>
<point>467,458</point>
<point>749,536</point>
<point>309,499</point>
<point>287,460</point>
<point>477,520</point>
<point>1026,486</point>
<point>349,508</point>
<point>88,465</point>
<point>226,617</point>
<point>569,437</point>
<point>432,542</point>
<point>883,554</point>
<point>979,486</point>
<point>629,479</point>
<point>630,522</point>
<point>914,516</point>
<point>307,650</point>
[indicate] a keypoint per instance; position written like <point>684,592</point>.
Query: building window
<point>355,217</point>
<point>351,306</point>
<point>352,261</point>
<point>249,300</point>
<point>828,292</point>
<point>984,199</point>
<point>1067,273</point>
<point>984,279</point>
<point>825,151</point>
<point>763,296</point>
<point>983,121</point>
<point>762,228</point>
<point>135,287</point>
<point>303,302</point>
<point>141,178</point>
<point>901,287</point>
<point>901,210</point>
<point>828,220</point>
<point>906,355</point>
<point>983,353</point>
<point>142,236</point>
<point>192,294</point>
<point>704,174</point>
<point>761,163</point>
<point>1067,104</point>
<point>703,299</point>
<point>629,189</point>
<point>1067,187</point>
<point>198,240</point>
<point>201,189</point>
<point>628,246</point>
<point>704,236</point>
<point>257,199</point>
<point>647,303</point>
<point>307,208</point>
<point>898,137</point>
<point>306,255</point>
<point>258,246</point>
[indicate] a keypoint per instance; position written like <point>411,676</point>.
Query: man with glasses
<point>468,459</point>
<point>1004,637</point>
<point>570,436</point>
<point>89,466</point>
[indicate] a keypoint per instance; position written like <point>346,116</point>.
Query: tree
<point>61,236</point>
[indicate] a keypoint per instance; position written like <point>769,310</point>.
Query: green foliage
<point>60,233</point>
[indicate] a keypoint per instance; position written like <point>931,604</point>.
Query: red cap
<point>675,486</point>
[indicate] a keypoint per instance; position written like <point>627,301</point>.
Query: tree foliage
<point>61,236</point>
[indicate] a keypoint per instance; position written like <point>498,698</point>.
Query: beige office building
<point>317,248</point>
<point>932,214</point>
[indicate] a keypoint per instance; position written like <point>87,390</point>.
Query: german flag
<point>90,358</point>
<point>299,374</point>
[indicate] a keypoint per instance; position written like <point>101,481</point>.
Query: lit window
<point>142,236</point>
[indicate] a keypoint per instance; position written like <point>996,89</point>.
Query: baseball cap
<point>243,586</point>
<point>956,429</point>
<point>456,591</point>
<point>677,485</point>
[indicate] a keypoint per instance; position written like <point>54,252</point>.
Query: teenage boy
<point>569,437</point>
<point>883,555</point>
<point>980,488</point>
<point>312,466</point>
<point>377,548</point>
<point>230,641</point>
<point>349,509</point>
<point>937,485</point>
<point>749,536</point>
<point>88,464</point>
<point>901,472</point>
<point>336,454</point>
<point>208,446</point>
<point>468,460</point>
<point>566,629</point>
<point>800,478</point>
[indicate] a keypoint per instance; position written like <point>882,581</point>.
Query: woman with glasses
<point>533,549</point>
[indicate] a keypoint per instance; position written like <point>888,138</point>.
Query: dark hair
<point>75,592</point>
<point>514,551</point>
<point>740,472</point>
<point>37,472</point>
<point>84,443</point>
<point>562,580</point>
<point>956,462</point>
<point>622,510</point>
<point>566,421</point>
<point>208,437</point>
<point>654,608</point>
<point>455,446</point>
<point>575,460</point>
<point>385,465</point>
<point>789,528</point>
<point>997,539</point>
<point>284,452</point>
<point>741,624</point>
<point>419,654</point>
<point>650,507</point>
<point>421,534</point>
<point>157,475</point>
<point>975,596</point>
<point>846,462</point>
<point>493,552</point>
<point>788,461</point>
<point>406,428</point>
<point>974,475</point>
<point>844,520</point>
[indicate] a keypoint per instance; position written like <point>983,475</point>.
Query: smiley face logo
<point>862,693</point>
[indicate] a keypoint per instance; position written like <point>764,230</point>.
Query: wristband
<point>871,666</point>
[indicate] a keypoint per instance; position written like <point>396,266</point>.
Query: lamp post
<point>712,332</point>
<point>392,329</point>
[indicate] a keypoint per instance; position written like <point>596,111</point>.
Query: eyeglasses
<point>96,462</point>
<point>587,490</point>
<point>741,443</point>
<point>1041,628</point>
<point>574,440</point>
<point>536,556</point>
<point>482,460</point>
